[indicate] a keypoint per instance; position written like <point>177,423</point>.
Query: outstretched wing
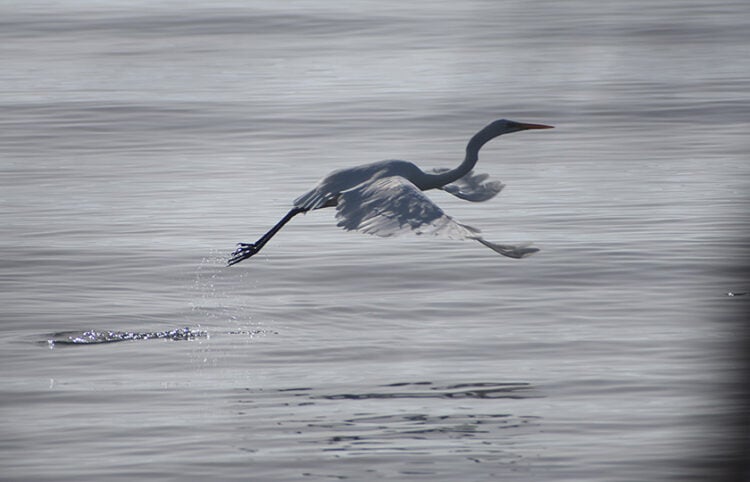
<point>391,206</point>
<point>472,187</point>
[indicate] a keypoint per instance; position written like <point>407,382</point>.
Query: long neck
<point>433,181</point>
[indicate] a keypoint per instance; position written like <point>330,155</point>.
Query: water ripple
<point>426,390</point>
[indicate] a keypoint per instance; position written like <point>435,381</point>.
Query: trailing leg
<point>246,250</point>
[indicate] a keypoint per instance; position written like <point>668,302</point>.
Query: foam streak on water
<point>93,337</point>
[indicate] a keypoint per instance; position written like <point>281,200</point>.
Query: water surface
<point>140,142</point>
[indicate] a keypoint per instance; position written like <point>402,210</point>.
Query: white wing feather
<point>391,206</point>
<point>472,187</point>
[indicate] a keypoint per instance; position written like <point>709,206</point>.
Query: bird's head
<point>494,129</point>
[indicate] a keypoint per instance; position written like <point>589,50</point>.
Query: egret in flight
<point>385,198</point>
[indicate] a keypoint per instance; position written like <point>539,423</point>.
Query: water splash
<point>93,337</point>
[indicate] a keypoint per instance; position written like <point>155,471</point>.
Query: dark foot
<point>243,251</point>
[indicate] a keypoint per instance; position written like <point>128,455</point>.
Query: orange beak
<point>535,126</point>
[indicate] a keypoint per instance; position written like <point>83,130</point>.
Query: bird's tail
<point>517,252</point>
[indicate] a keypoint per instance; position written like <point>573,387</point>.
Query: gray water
<point>139,142</point>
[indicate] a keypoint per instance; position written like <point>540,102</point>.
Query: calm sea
<point>139,141</point>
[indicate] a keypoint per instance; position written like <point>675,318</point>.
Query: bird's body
<point>331,186</point>
<point>385,198</point>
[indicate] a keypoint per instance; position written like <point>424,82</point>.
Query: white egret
<point>385,198</point>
